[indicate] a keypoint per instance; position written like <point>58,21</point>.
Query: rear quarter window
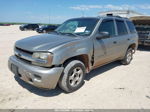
<point>121,27</point>
<point>131,27</point>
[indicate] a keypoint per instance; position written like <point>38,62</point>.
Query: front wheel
<point>128,57</point>
<point>73,76</point>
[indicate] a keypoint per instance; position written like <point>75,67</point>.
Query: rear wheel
<point>25,29</point>
<point>21,29</point>
<point>73,76</point>
<point>44,31</point>
<point>128,57</point>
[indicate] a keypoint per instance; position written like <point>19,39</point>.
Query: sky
<point>57,11</point>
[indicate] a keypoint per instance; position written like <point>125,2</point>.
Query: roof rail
<point>110,14</point>
<point>118,16</point>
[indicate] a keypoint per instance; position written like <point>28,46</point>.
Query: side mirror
<point>102,35</point>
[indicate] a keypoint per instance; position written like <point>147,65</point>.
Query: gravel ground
<point>112,86</point>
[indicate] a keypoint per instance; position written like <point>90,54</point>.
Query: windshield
<point>81,26</point>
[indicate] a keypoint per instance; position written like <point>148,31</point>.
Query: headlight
<point>42,59</point>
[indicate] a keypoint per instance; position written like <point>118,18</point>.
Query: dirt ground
<point>112,86</point>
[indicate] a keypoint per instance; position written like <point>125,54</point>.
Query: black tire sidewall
<point>125,60</point>
<point>82,81</point>
<point>44,31</point>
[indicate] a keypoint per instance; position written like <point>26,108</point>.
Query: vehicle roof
<point>100,17</point>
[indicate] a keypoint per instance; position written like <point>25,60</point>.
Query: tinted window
<point>107,26</point>
<point>51,26</point>
<point>131,27</point>
<point>122,30</point>
<point>28,25</point>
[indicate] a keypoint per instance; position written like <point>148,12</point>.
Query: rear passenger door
<point>122,37</point>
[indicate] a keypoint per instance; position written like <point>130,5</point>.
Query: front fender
<point>72,49</point>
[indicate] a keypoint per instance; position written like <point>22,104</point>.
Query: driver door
<point>105,48</point>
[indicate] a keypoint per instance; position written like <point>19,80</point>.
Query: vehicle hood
<point>43,42</point>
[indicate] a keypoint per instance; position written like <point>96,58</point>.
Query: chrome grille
<point>22,50</point>
<point>24,55</point>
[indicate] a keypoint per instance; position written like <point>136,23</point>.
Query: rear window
<point>34,24</point>
<point>51,26</point>
<point>131,27</point>
<point>122,30</point>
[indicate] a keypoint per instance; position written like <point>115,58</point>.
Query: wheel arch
<point>133,46</point>
<point>83,58</point>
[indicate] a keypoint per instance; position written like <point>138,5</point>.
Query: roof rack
<point>110,14</point>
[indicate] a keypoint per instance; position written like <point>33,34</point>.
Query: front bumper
<point>37,76</point>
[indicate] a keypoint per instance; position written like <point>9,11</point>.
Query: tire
<point>128,57</point>
<point>44,31</point>
<point>73,76</point>
<point>25,29</point>
<point>21,29</point>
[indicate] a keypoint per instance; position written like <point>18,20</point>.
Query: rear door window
<point>121,27</point>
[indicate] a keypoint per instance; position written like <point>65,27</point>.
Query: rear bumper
<point>37,76</point>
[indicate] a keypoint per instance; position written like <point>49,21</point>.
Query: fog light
<point>37,77</point>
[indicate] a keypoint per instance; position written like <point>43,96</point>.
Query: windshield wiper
<point>71,34</point>
<point>55,32</point>
<point>60,33</point>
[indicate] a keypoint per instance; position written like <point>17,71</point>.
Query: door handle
<point>115,42</point>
